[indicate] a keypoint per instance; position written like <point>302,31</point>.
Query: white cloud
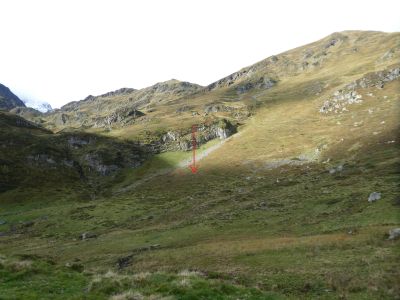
<point>61,51</point>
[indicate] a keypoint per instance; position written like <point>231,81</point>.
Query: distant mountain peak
<point>39,105</point>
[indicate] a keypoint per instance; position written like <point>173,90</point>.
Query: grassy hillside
<point>278,211</point>
<point>77,163</point>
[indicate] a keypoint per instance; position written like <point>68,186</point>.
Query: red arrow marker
<point>194,145</point>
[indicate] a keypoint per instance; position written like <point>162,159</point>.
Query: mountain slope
<point>298,204</point>
<point>8,100</point>
<point>33,157</point>
<point>179,104</point>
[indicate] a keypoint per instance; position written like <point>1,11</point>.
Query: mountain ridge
<point>8,100</point>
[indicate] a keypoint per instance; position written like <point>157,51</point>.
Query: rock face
<point>375,196</point>
<point>8,100</point>
<point>182,140</point>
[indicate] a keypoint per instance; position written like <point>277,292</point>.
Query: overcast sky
<point>61,51</point>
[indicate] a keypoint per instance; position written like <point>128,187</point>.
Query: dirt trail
<point>183,164</point>
<point>202,154</point>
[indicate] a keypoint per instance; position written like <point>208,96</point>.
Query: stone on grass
<point>375,196</point>
<point>87,235</point>
<point>394,234</point>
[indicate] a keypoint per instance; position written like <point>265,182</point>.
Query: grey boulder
<point>375,196</point>
<point>394,234</point>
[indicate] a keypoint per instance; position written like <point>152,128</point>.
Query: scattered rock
<point>156,246</point>
<point>87,235</point>
<point>2,222</point>
<point>394,234</point>
<point>339,100</point>
<point>348,94</point>
<point>331,43</point>
<point>213,108</point>
<point>375,196</point>
<point>41,159</point>
<point>124,262</point>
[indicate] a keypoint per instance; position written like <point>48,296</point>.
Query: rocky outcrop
<point>246,80</point>
<point>339,101</point>
<point>61,119</point>
<point>122,91</point>
<point>231,79</point>
<point>121,115</point>
<point>174,86</point>
<point>182,140</point>
<point>377,79</point>
<point>262,83</point>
